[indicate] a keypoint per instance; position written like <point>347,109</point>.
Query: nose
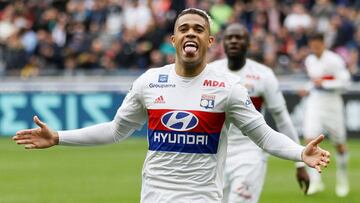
<point>233,40</point>
<point>190,34</point>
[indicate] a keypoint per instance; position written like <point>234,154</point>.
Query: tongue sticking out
<point>190,50</point>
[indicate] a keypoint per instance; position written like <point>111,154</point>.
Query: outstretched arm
<point>130,116</point>
<point>244,116</point>
<point>281,146</point>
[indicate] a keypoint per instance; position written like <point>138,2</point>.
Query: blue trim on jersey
<point>185,142</point>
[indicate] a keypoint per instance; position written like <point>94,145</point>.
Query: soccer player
<point>245,166</point>
<point>324,108</point>
<point>188,108</point>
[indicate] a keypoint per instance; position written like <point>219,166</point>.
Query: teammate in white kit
<point>324,108</point>
<point>189,108</point>
<point>245,166</point>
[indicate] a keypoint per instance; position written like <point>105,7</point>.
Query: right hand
<point>314,156</point>
<point>303,179</point>
<point>303,92</point>
<point>37,138</point>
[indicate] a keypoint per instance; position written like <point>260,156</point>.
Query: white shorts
<point>244,176</point>
<point>325,115</point>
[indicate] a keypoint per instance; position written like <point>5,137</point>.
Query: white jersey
<point>187,129</point>
<point>263,89</point>
<point>324,105</point>
<point>331,68</point>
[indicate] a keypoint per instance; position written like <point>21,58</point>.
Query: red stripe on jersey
<point>328,77</point>
<point>208,122</point>
<point>258,102</point>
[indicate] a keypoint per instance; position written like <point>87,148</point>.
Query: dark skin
<point>236,43</point>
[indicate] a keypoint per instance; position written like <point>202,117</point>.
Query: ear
<point>173,40</point>
<point>211,40</point>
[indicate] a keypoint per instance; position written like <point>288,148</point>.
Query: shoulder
<point>220,64</point>
<point>330,55</point>
<point>157,73</point>
<point>263,71</point>
<point>153,75</point>
<point>310,58</point>
<point>223,80</point>
<point>219,74</point>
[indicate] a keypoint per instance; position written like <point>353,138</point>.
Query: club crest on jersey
<point>163,78</point>
<point>213,83</point>
<point>179,120</point>
<point>207,101</point>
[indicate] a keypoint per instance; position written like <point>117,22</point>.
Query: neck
<point>189,70</point>
<point>236,63</point>
<point>318,55</point>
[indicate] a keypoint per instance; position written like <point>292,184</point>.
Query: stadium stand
<point>72,37</point>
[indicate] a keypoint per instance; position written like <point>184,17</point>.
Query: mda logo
<point>179,120</point>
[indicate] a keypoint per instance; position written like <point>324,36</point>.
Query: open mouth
<point>190,47</point>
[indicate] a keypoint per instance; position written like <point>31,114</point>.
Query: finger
<point>326,153</point>
<point>28,141</point>
<point>39,122</point>
<point>307,183</point>
<point>325,159</point>
<point>21,137</point>
<point>317,140</point>
<point>24,132</point>
<point>301,184</point>
<point>30,146</point>
<point>322,163</point>
<point>318,168</point>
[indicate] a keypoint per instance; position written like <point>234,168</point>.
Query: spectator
<point>127,34</point>
<point>298,18</point>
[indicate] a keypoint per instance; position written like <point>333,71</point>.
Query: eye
<point>199,29</point>
<point>183,29</point>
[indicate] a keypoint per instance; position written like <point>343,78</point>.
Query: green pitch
<point>112,174</point>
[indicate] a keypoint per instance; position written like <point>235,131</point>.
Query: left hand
<point>303,179</point>
<point>317,82</point>
<point>314,156</point>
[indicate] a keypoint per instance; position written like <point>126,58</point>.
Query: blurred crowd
<point>52,37</point>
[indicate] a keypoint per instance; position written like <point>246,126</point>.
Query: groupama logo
<point>179,120</point>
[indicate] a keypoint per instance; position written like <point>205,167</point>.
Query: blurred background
<point>72,61</point>
<point>74,37</point>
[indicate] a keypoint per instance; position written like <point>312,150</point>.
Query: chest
<point>320,68</point>
<point>204,95</point>
<point>253,81</point>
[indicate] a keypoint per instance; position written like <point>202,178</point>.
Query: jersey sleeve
<point>242,113</point>
<point>131,115</point>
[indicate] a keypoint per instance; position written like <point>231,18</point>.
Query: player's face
<point>316,46</point>
<point>236,41</point>
<point>191,39</point>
